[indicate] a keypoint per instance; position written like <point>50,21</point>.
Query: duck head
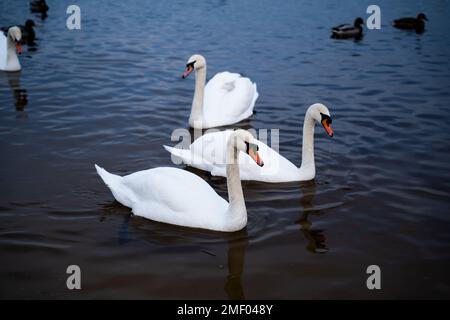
<point>29,24</point>
<point>358,22</point>
<point>422,17</point>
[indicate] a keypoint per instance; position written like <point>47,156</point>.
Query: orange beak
<point>187,72</point>
<point>18,48</point>
<point>255,156</point>
<point>327,127</point>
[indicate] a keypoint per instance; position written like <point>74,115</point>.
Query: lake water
<point>111,93</point>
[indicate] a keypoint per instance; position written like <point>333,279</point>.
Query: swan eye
<point>326,118</point>
<point>190,65</point>
<point>251,146</point>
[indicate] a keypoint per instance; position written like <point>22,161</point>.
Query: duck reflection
<point>20,95</point>
<point>315,237</point>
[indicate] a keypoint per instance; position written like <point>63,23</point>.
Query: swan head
<point>321,114</point>
<point>15,35</point>
<point>194,63</point>
<point>244,141</point>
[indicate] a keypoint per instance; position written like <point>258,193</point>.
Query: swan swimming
<point>226,99</point>
<point>179,197</point>
<point>207,153</point>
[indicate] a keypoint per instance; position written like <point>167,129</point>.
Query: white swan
<point>176,196</point>
<point>207,153</point>
<point>9,44</point>
<point>227,98</point>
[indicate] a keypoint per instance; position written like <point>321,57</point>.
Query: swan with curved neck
<point>226,99</point>
<point>207,153</point>
<point>9,45</point>
<point>179,197</point>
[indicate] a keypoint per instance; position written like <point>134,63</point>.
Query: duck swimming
<point>347,31</point>
<point>417,24</point>
<point>28,34</point>
<point>38,6</point>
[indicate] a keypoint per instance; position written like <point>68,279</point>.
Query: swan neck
<point>308,144</point>
<point>237,208</point>
<point>197,102</point>
<point>12,61</point>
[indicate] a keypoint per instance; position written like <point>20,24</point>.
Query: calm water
<point>112,94</point>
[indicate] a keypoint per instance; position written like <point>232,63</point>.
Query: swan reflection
<point>237,246</point>
<point>315,237</point>
<point>164,235</point>
<point>19,94</point>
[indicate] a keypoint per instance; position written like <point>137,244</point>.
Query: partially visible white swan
<point>207,153</point>
<point>179,197</point>
<point>9,44</point>
<point>227,98</point>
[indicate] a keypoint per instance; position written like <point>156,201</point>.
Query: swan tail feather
<point>109,179</point>
<point>183,154</point>
<point>118,187</point>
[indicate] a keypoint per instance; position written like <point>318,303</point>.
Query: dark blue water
<point>111,93</point>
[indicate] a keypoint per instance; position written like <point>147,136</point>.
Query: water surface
<point>111,93</point>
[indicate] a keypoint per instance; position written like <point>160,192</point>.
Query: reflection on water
<point>236,242</point>
<point>19,93</point>
<point>315,237</point>
<point>112,95</point>
<point>237,246</point>
<point>32,45</point>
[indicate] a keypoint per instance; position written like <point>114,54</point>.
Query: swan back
<point>171,195</point>
<point>228,98</point>
<point>209,153</point>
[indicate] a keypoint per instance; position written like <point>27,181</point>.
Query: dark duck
<point>348,31</point>
<point>417,24</point>
<point>39,6</point>
<point>28,34</point>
